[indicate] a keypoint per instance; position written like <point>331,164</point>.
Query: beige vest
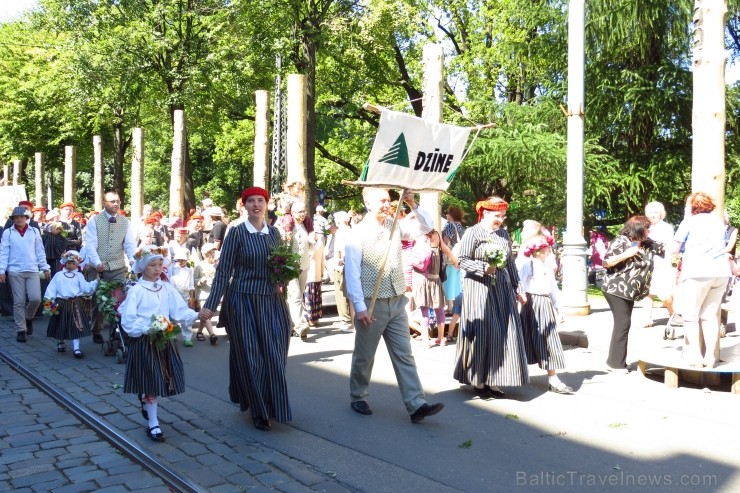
<point>110,241</point>
<point>374,246</point>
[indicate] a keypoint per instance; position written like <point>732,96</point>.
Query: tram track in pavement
<point>117,439</point>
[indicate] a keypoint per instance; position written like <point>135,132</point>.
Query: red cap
<point>38,209</point>
<point>182,230</point>
<point>157,214</point>
<point>26,203</point>
<point>150,220</point>
<point>67,204</point>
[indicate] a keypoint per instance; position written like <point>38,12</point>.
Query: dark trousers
<point>622,312</point>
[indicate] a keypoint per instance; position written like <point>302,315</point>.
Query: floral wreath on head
<point>537,244</point>
<point>70,256</point>
<point>144,252</point>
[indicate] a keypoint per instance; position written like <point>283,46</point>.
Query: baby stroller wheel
<point>120,356</point>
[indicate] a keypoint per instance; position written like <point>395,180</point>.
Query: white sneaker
<point>617,371</point>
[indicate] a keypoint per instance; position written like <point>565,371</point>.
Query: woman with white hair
<point>664,276</point>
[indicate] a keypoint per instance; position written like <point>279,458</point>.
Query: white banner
<point>411,153</point>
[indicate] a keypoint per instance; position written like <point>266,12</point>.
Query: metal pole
<point>575,274</point>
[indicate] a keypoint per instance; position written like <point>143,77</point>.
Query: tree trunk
<point>310,47</point>
<point>708,160</point>
<point>119,152</point>
<point>188,189</point>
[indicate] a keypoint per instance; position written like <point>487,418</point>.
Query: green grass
<point>595,292</point>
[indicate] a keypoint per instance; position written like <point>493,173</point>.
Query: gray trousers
<point>392,324</point>
<point>296,288</point>
<point>341,300</point>
<point>24,285</point>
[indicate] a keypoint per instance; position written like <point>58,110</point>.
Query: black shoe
<point>61,346</point>
<point>29,326</point>
<point>293,333</point>
<point>157,435</point>
<point>144,413</point>
<point>426,410</point>
<point>483,393</point>
<point>361,407</point>
<point>20,336</point>
<point>78,354</point>
<point>560,388</point>
<point>98,338</point>
<point>496,393</point>
<point>262,424</point>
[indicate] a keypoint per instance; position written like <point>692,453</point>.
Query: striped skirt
<point>490,346</point>
<point>259,333</point>
<point>541,339</point>
<point>72,322</point>
<point>153,372</point>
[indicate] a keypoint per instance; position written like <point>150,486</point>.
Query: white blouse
<point>67,284</point>
<point>149,298</point>
<point>538,277</point>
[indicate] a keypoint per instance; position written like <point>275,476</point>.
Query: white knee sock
<point>553,380</point>
<point>151,409</point>
<point>75,344</point>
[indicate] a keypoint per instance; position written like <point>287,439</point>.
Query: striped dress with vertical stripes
<point>490,348</point>
<point>257,321</point>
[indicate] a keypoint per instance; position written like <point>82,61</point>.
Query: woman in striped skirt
<point>540,312</point>
<point>152,371</point>
<point>256,314</point>
<point>490,347</point>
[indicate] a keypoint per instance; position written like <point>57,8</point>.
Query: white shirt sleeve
<point>91,243</point>
<point>352,262</point>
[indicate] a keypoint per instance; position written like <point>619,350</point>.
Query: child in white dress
<point>67,289</point>
<point>181,278</point>
<point>151,372</point>
<point>205,271</point>
<point>540,313</point>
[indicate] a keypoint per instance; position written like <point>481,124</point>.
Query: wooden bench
<point>668,355</point>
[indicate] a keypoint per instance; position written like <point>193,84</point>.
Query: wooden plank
<point>736,383</point>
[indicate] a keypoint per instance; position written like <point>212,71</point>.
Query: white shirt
<point>538,277</point>
<point>67,284</point>
<point>149,298</point>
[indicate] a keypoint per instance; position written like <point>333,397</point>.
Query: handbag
<point>421,256</point>
<point>457,246</point>
<point>442,269</point>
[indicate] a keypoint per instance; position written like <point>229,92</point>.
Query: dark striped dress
<point>490,348</point>
<point>148,370</point>
<point>257,321</point>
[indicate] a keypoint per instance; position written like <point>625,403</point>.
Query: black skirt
<point>72,322</point>
<point>153,372</point>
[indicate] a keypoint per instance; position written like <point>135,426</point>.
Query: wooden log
<point>98,171</point>
<point>670,377</point>
<point>261,169</point>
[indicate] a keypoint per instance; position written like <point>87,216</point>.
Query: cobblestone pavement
<point>46,448</point>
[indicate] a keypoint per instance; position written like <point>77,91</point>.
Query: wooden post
<point>261,118</point>
<point>6,175</point>
<point>433,60</point>
<point>137,175</point>
<point>16,171</point>
<point>296,132</point>
<point>39,178</point>
<point>98,171</point>
<point>70,171</point>
<point>177,180</point>
<point>708,114</point>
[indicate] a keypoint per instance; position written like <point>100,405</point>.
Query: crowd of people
<point>389,266</point>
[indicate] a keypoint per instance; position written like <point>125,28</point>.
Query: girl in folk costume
<point>65,292</point>
<point>540,312</point>
<point>205,271</point>
<point>153,365</point>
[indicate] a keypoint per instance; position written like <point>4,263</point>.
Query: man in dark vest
<point>109,239</point>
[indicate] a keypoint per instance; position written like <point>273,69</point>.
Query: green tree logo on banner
<point>398,154</point>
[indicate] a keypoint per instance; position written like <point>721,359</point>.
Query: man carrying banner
<point>365,251</point>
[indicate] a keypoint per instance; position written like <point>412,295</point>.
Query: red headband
<point>255,191</point>
<point>26,203</point>
<point>490,205</point>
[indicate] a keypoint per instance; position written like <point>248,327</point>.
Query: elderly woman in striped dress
<point>490,347</point>
<point>256,315</point>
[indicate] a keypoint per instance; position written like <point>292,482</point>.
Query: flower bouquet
<point>494,255</point>
<point>50,307</point>
<point>162,330</point>
<point>284,266</point>
<point>110,295</point>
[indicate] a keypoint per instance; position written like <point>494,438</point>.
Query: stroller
<point>109,297</point>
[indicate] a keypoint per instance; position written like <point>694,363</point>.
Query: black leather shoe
<point>98,338</point>
<point>361,407</point>
<point>483,393</point>
<point>426,410</point>
<point>496,393</point>
<point>29,326</point>
<point>155,433</point>
<point>144,413</point>
<point>20,336</point>
<point>262,424</point>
